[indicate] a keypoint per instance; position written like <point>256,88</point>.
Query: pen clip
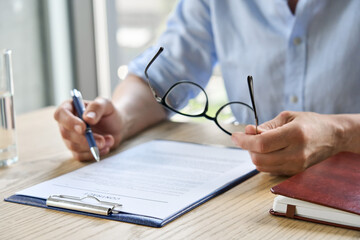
<point>75,93</point>
<point>78,102</point>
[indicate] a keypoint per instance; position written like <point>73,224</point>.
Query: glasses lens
<point>235,116</point>
<point>187,98</point>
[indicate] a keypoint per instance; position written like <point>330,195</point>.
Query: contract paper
<point>156,179</point>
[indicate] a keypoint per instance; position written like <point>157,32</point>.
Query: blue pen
<point>80,108</point>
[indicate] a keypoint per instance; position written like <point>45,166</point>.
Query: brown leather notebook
<point>328,193</point>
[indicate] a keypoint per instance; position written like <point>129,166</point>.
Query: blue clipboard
<point>79,206</point>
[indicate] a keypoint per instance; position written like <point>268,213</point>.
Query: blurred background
<point>61,44</point>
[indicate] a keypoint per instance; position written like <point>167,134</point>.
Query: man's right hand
<point>105,121</point>
<point>133,108</point>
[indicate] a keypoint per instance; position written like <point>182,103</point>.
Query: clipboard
<point>79,207</point>
<point>112,210</point>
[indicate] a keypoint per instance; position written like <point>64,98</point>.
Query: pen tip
<point>95,153</point>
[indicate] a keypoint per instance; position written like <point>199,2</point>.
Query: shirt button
<point>297,41</point>
<point>294,99</point>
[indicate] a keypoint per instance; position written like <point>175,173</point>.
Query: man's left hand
<point>291,142</point>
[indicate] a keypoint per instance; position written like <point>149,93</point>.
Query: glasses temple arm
<point>158,99</point>
<point>251,90</point>
<point>152,60</point>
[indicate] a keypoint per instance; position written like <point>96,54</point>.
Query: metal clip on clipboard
<point>80,204</point>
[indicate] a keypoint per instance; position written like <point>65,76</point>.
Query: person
<point>303,56</point>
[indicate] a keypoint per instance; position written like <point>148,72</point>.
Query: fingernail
<point>78,129</point>
<point>91,115</point>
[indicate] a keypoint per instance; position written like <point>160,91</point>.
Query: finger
<point>87,155</point>
<point>272,165</point>
<point>283,162</point>
<point>109,141</point>
<point>104,151</point>
<point>251,129</point>
<point>273,170</point>
<point>268,141</point>
<point>266,160</point>
<point>278,121</point>
<point>98,109</point>
<point>83,156</point>
<point>75,147</point>
<point>64,115</point>
<point>71,135</point>
<point>77,142</point>
<point>283,170</point>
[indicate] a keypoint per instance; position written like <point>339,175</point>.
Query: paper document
<point>156,179</point>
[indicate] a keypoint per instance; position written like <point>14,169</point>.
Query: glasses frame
<point>162,101</point>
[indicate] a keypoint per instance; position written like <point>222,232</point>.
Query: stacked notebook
<point>328,193</point>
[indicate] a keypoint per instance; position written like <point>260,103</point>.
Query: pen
<point>80,108</point>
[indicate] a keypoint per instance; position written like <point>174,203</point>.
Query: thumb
<point>278,121</point>
<point>98,109</point>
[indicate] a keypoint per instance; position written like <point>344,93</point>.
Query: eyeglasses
<point>231,117</point>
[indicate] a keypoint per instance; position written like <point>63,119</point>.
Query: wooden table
<point>240,213</point>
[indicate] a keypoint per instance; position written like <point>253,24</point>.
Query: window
<point>87,44</point>
<point>25,30</point>
<point>139,25</point>
<point>21,20</point>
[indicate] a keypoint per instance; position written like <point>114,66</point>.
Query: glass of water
<point>8,149</point>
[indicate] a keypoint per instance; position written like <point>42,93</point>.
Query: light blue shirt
<point>309,61</point>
